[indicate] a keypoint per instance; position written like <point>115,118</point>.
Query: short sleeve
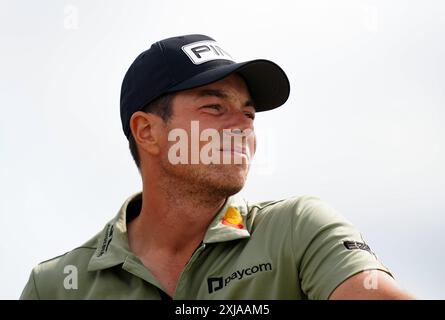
<point>328,249</point>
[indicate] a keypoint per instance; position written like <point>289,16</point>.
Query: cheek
<point>251,142</point>
<point>174,134</point>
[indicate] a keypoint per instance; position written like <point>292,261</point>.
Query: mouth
<point>235,150</point>
<point>235,155</point>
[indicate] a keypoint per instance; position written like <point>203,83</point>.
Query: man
<point>188,110</point>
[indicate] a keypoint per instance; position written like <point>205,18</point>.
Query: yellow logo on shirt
<point>233,218</point>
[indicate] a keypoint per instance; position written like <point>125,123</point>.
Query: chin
<point>222,180</point>
<point>228,179</point>
<point>226,190</point>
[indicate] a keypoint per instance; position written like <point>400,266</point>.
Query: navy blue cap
<point>190,61</point>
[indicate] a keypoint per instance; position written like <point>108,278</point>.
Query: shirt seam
<point>164,57</point>
<point>291,226</point>
<point>35,285</point>
<point>82,247</point>
<point>346,277</point>
<point>265,206</point>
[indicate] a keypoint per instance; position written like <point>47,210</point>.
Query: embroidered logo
<point>107,239</point>
<point>233,218</point>
<point>203,51</point>
<point>352,245</point>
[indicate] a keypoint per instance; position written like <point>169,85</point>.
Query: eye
<point>215,107</point>
<point>250,115</point>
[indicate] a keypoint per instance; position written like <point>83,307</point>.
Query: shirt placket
<point>181,292</point>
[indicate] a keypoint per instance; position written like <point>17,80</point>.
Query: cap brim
<point>267,82</point>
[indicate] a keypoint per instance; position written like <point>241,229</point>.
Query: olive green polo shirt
<point>297,248</point>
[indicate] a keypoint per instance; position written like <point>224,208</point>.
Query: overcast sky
<point>363,128</point>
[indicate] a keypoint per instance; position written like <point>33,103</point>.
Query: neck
<point>174,217</point>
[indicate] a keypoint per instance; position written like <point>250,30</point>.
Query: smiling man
<point>188,111</point>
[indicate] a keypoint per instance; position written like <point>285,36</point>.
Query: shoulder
<point>302,209</point>
<point>326,248</point>
<point>295,220</point>
<point>303,221</point>
<point>47,278</point>
<point>79,255</point>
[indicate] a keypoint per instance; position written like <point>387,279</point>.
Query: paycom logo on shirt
<point>217,283</point>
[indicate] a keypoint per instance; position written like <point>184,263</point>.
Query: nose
<point>238,120</point>
<point>241,126</point>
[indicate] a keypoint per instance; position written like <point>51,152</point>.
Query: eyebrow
<point>222,95</point>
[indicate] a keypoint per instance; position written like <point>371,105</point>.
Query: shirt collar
<point>230,223</point>
<point>112,245</point>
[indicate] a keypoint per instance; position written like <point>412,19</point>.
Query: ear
<point>147,129</point>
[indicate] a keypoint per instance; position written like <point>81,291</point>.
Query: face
<point>223,107</point>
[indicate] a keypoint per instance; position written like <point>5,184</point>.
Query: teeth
<point>237,132</point>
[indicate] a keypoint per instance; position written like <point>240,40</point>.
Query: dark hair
<point>161,107</point>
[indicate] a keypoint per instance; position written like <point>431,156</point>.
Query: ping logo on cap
<point>203,51</point>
